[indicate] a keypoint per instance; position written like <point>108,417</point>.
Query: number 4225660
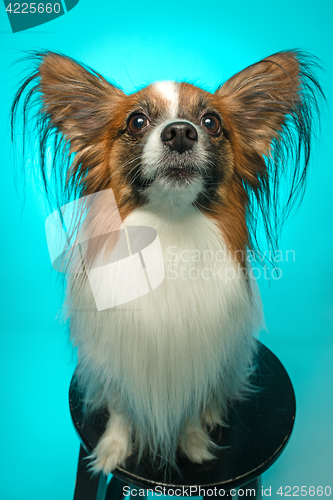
<point>33,8</point>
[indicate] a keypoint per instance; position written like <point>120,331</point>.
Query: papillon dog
<point>206,171</point>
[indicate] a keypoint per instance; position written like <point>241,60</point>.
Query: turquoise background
<point>135,43</point>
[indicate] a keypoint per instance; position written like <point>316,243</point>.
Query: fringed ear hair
<point>69,107</point>
<point>270,110</point>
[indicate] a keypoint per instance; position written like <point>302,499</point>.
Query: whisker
<point>197,204</point>
<point>121,168</point>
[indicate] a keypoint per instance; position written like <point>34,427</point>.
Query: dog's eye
<point>137,123</point>
<point>212,124</point>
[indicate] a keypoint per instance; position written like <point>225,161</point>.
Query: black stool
<point>258,431</point>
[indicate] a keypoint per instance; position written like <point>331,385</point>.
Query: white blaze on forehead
<point>170,93</point>
<point>154,153</point>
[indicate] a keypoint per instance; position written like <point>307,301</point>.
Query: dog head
<point>173,145</point>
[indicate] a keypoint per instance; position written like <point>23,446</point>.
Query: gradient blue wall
<point>135,43</point>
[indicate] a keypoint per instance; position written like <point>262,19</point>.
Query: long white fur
<point>167,363</point>
<point>166,357</point>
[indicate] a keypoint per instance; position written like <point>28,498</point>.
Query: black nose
<point>179,136</point>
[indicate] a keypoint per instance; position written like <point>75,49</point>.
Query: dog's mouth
<point>172,175</point>
<point>179,173</point>
<point>173,169</point>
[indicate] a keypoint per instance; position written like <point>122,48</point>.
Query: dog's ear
<point>78,101</point>
<point>257,102</point>
<point>269,110</point>
<point>69,107</point>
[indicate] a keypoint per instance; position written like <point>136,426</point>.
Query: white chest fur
<point>167,353</point>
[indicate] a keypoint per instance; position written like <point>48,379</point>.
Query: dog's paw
<point>196,445</point>
<point>211,418</point>
<point>110,452</point>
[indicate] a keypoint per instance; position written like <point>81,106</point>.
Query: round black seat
<point>258,430</point>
